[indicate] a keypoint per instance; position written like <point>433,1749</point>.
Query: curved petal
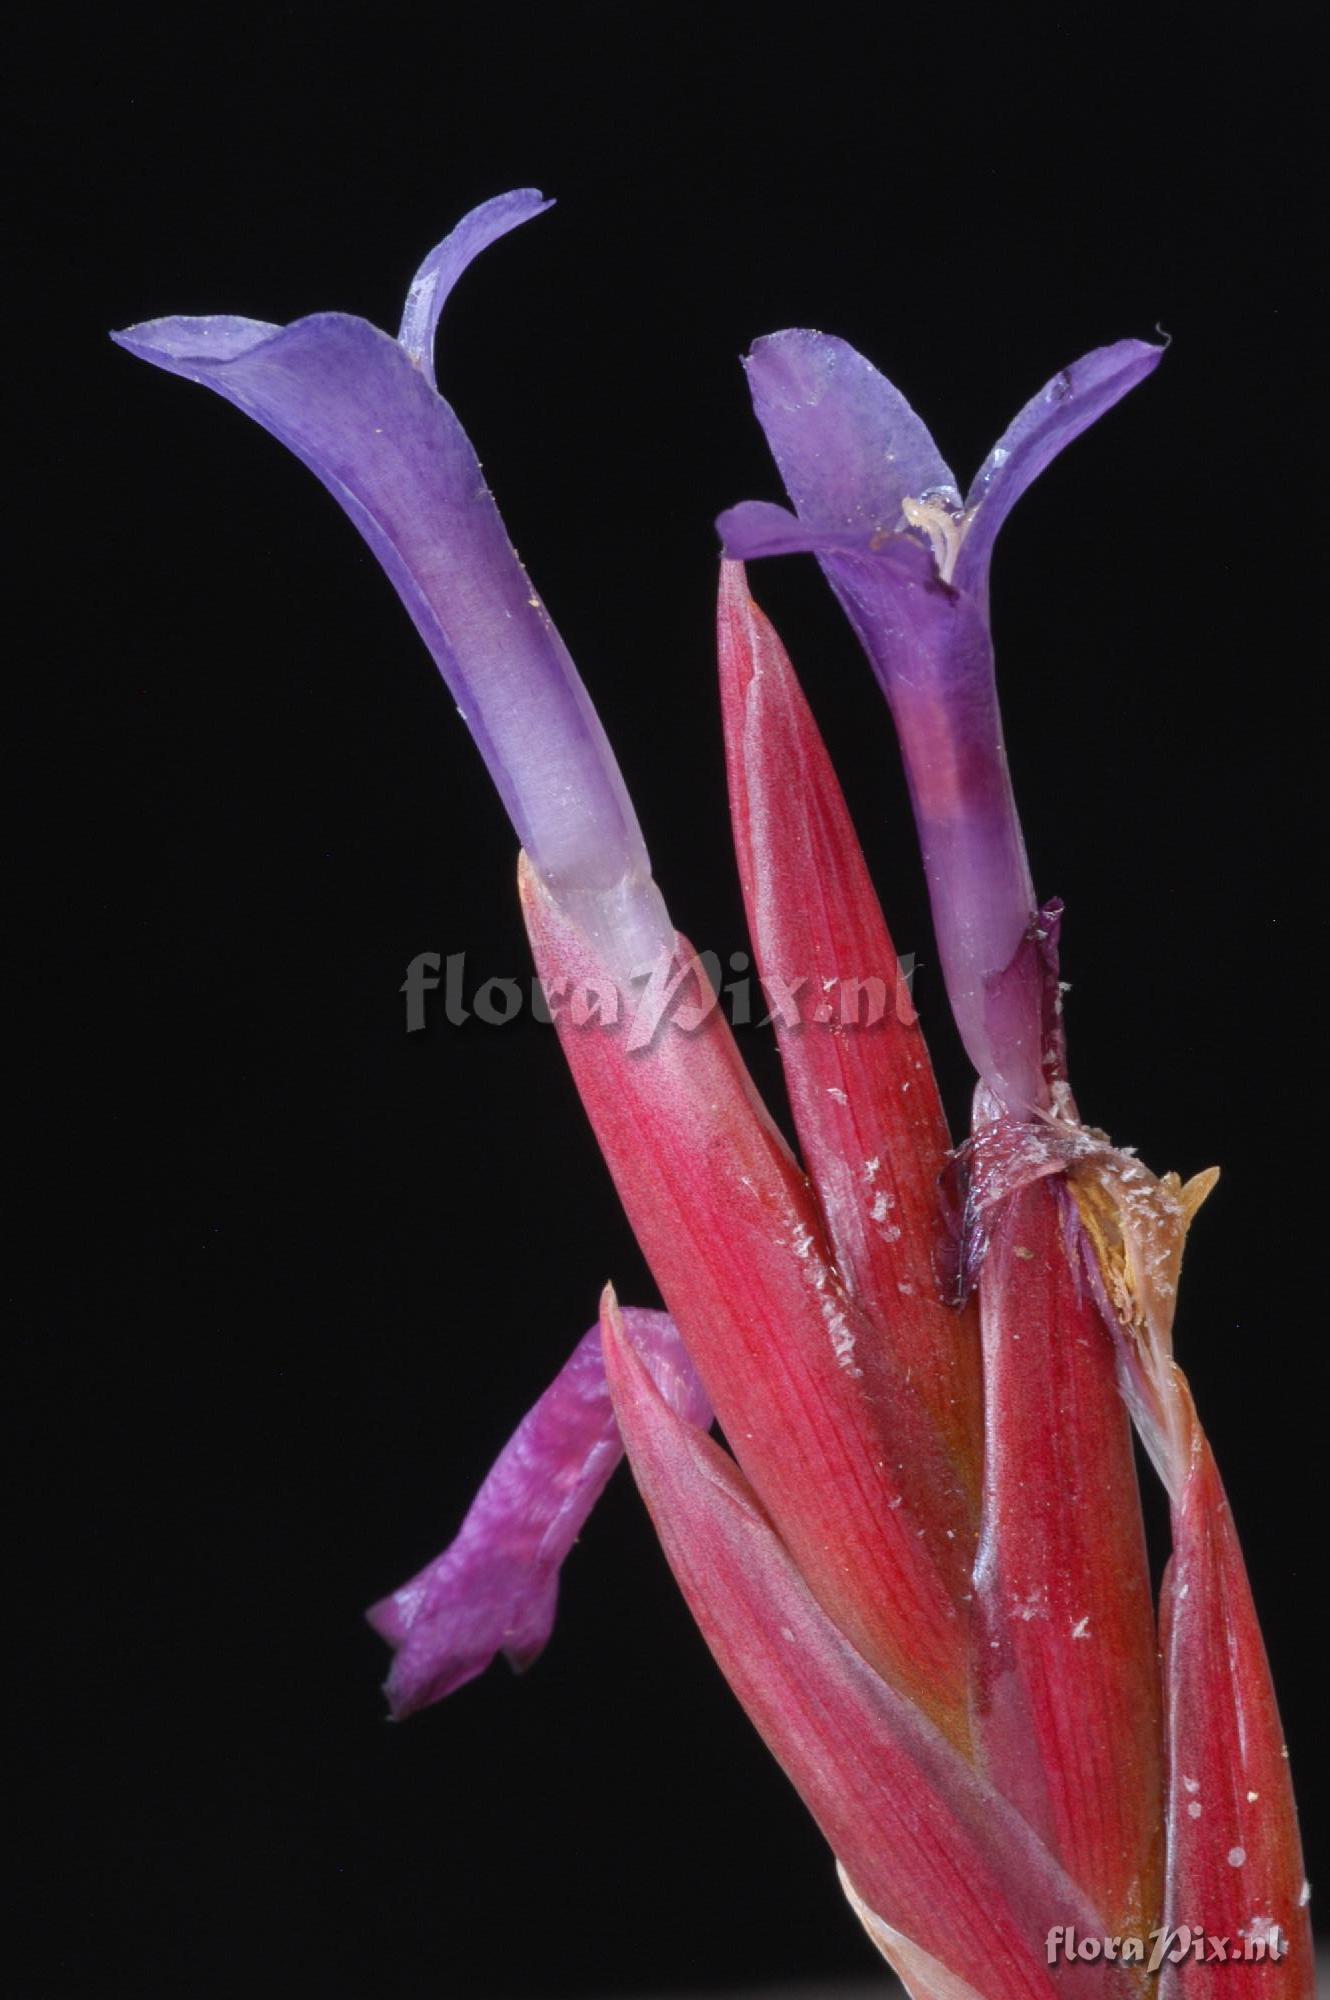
<point>190,347</point>
<point>447,261</point>
<point>495,1587</point>
<point>1075,398</point>
<point>849,447</point>
<point>346,399</point>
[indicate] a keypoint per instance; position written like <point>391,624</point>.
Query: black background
<point>297,1274</point>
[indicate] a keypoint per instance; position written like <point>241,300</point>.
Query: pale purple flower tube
<point>361,410</point>
<point>878,505</point>
<point>495,1587</point>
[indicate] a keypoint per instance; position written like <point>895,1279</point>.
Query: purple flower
<point>362,411</point>
<point>908,559</point>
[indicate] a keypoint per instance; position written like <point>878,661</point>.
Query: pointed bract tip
<point>732,590</point>
<point>611,1318</point>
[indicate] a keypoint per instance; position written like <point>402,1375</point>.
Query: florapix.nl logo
<point>684,990</point>
<point>1260,1943</point>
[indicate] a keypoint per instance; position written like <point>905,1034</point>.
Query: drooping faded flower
<point>920,1562</point>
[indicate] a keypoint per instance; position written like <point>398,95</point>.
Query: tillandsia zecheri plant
<point>920,1563</point>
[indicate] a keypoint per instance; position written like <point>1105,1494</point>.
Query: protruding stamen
<point>945,527</point>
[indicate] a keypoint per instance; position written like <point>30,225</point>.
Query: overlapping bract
<point>1072,1243</point>
<point>866,1109</point>
<point>922,1568</point>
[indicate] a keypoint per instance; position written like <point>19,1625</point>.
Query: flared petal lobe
<point>870,1123</point>
<point>1075,398</point>
<point>927,1845</point>
<point>495,1587</point>
<point>360,412</point>
<point>447,261</point>
<point>850,449</point>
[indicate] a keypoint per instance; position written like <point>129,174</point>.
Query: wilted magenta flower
<point>495,1588</point>
<point>922,1569</point>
